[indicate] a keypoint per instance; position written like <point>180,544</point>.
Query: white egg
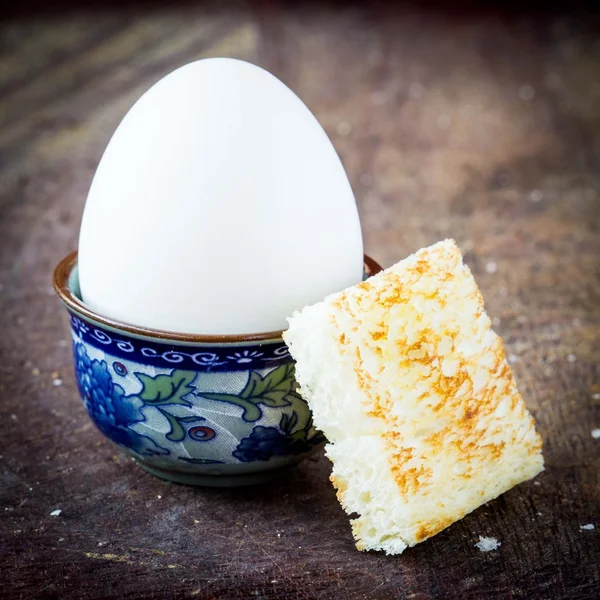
<point>220,206</point>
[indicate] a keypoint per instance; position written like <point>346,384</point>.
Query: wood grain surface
<point>484,127</point>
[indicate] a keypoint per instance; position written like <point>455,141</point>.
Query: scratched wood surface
<point>482,127</point>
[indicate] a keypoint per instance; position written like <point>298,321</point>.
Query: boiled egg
<point>220,206</point>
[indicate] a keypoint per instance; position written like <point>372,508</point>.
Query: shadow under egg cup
<point>212,410</point>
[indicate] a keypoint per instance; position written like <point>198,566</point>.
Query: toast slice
<point>411,386</point>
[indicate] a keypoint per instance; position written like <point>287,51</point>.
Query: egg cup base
<point>220,481</point>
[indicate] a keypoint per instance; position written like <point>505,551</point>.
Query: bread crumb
<point>491,267</point>
<point>571,358</point>
<point>486,544</point>
<point>513,358</point>
<point>55,513</point>
<point>587,527</point>
<point>536,195</point>
<point>35,371</point>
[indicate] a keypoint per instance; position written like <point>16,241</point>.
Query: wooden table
<point>482,127</point>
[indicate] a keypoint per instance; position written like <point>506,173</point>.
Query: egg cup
<point>209,410</point>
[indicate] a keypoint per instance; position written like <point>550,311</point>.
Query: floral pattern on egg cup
<point>173,397</point>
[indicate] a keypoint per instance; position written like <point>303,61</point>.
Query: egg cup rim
<point>65,267</point>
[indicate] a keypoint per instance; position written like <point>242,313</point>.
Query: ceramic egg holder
<point>193,409</point>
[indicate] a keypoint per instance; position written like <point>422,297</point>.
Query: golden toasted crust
<point>431,379</point>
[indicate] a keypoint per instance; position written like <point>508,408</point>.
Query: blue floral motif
<point>112,411</point>
<point>265,442</point>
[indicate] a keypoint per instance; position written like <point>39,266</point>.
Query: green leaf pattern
<point>275,390</point>
<point>298,424</point>
<point>168,390</point>
<point>272,390</point>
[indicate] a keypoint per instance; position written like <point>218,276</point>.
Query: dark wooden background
<point>479,124</point>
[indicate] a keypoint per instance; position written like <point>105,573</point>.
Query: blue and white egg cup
<point>193,409</point>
